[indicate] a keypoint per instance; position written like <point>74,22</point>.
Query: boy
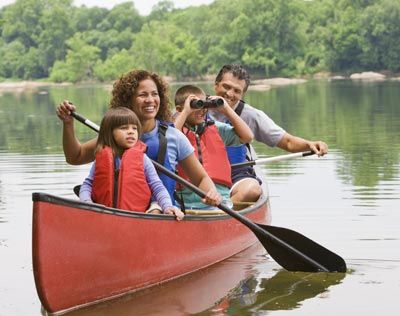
<point>209,139</point>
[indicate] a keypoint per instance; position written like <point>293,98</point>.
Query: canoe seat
<point>205,212</point>
<point>237,206</point>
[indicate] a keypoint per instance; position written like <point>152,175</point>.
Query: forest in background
<point>54,40</point>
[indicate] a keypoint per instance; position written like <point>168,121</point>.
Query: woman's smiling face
<point>146,100</point>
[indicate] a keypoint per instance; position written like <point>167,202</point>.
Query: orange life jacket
<point>210,149</point>
<point>126,188</point>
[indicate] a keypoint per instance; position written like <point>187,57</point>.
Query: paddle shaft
<point>272,159</point>
<point>244,220</point>
<point>85,121</point>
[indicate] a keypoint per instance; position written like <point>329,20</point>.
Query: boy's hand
<point>223,109</point>
<point>186,107</point>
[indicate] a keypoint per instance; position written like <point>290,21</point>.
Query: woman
<point>146,94</point>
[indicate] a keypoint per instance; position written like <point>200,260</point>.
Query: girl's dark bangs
<point>124,119</point>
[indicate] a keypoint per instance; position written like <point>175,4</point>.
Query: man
<point>231,83</point>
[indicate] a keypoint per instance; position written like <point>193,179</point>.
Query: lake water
<point>348,201</point>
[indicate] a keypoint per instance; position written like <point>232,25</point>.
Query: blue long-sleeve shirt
<point>158,190</point>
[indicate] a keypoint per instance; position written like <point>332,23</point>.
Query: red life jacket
<point>210,149</point>
<point>132,190</point>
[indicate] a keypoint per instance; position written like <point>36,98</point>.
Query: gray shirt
<point>264,128</point>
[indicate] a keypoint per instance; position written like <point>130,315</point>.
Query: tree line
<point>54,40</point>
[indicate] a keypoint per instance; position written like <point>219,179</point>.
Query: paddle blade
<point>304,249</point>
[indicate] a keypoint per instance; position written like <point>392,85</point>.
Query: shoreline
<point>26,84</point>
<point>257,84</point>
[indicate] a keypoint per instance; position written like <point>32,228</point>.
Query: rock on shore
<point>265,84</point>
<point>367,75</point>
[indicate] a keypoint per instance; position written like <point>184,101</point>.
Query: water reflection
<point>192,294</point>
<point>2,204</point>
<point>28,123</point>
<point>284,291</point>
<point>234,284</point>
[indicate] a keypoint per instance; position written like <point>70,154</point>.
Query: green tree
<point>85,19</point>
<point>162,46</point>
<point>121,17</point>
<point>41,26</point>
<point>10,61</point>
<point>21,21</point>
<point>380,25</point>
<point>31,68</point>
<point>56,29</point>
<point>79,63</point>
<point>161,10</point>
<point>343,40</point>
<point>277,34</point>
<point>270,37</point>
<point>109,42</point>
<point>114,66</point>
<point>265,35</point>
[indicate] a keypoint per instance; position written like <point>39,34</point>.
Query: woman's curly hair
<point>124,89</point>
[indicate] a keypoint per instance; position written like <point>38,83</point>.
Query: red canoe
<point>84,254</point>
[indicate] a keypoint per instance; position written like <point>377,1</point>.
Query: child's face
<point>197,116</point>
<point>126,136</point>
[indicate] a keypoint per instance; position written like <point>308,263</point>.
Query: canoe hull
<point>84,254</point>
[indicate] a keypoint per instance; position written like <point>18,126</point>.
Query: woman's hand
<point>212,198</point>
<point>64,110</point>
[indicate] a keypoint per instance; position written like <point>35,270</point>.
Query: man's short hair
<point>237,71</point>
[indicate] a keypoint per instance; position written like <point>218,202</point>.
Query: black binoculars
<point>207,103</point>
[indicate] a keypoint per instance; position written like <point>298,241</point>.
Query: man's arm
<point>268,132</point>
<point>264,128</point>
<point>296,144</point>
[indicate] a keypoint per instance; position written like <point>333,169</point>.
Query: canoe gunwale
<point>98,208</point>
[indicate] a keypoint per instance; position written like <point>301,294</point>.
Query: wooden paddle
<point>271,159</point>
<point>290,249</point>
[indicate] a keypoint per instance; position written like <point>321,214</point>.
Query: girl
<point>122,175</point>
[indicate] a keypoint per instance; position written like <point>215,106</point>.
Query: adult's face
<point>146,100</point>
<point>230,88</point>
